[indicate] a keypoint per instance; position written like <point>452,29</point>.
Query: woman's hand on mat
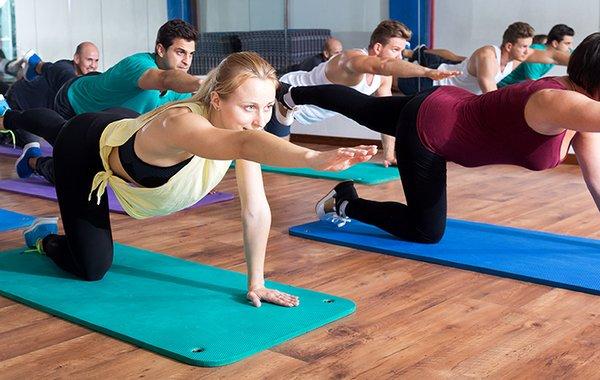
<point>441,74</point>
<point>341,158</point>
<point>272,296</point>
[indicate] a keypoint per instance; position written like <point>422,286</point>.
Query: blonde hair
<point>226,78</point>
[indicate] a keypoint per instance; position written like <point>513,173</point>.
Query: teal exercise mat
<point>10,220</point>
<point>367,173</point>
<point>190,312</point>
<point>556,260</point>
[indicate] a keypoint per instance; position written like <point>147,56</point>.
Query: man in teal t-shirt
<point>560,38</point>
<point>119,86</point>
<point>140,82</point>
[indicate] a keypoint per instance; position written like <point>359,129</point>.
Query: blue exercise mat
<point>10,220</point>
<point>191,312</point>
<point>544,258</point>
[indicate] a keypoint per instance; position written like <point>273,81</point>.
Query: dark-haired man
<point>140,82</point>
<point>560,38</point>
<point>540,39</point>
<point>489,64</point>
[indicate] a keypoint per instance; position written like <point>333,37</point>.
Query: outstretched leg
<point>377,113</point>
<point>42,122</point>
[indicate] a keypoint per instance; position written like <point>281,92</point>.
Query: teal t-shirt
<point>118,87</point>
<point>527,70</point>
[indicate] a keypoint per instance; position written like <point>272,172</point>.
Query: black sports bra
<point>143,173</point>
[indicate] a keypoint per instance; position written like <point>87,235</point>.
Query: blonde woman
<point>167,160</point>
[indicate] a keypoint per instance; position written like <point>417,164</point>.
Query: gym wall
<point>119,28</point>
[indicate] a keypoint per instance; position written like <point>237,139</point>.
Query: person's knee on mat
<point>428,234</point>
<point>94,276</point>
<point>95,271</point>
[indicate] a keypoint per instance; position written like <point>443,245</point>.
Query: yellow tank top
<point>188,186</point>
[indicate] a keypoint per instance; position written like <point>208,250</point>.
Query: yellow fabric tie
<point>99,184</point>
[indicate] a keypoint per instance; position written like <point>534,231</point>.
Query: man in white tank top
<point>489,64</point>
<point>368,71</point>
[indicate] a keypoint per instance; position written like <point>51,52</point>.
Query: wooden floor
<point>413,320</point>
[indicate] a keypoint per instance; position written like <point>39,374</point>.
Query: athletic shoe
<point>31,60</point>
<point>40,228</point>
<point>22,165</point>
<point>329,207</point>
<point>3,105</point>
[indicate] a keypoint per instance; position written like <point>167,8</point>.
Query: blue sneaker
<point>3,106</point>
<point>22,165</point>
<point>40,228</point>
<point>31,60</point>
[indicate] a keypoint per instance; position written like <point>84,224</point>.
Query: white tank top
<point>308,114</point>
<point>468,81</point>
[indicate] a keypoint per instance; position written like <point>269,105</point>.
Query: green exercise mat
<point>367,173</point>
<point>190,312</point>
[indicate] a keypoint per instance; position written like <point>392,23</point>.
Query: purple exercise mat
<point>9,151</point>
<point>38,187</point>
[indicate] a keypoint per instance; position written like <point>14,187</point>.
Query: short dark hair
<point>173,29</point>
<point>584,63</point>
<point>389,29</point>
<point>517,30</point>
<point>558,32</point>
<point>540,39</point>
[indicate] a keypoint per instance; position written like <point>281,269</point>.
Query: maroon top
<point>475,130</point>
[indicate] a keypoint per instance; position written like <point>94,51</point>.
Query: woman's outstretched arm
<point>194,134</point>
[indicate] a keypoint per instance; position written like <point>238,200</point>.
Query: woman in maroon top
<point>531,124</point>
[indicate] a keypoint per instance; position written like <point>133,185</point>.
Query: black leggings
<point>42,122</point>
<point>423,173</point>
<point>47,123</point>
<point>86,249</point>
